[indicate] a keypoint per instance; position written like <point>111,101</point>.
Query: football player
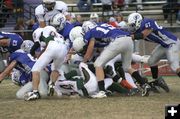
<point>168,44</point>
<point>21,64</point>
<point>55,52</point>
<point>119,42</point>
<point>62,26</point>
<point>86,84</point>
<point>9,42</point>
<point>48,9</point>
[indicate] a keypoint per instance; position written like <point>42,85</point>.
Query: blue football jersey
<point>15,41</point>
<point>159,34</point>
<point>25,62</point>
<point>104,34</point>
<point>24,78</point>
<point>65,33</point>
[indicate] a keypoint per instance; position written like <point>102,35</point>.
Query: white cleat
<point>100,94</point>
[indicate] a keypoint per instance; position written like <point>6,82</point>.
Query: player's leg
<point>58,60</point>
<point>107,54</point>
<point>43,86</point>
<point>113,49</point>
<point>173,57</point>
<point>158,53</point>
<point>130,80</point>
<point>126,64</point>
<point>20,94</point>
<point>155,56</point>
<point>114,70</point>
<point>90,81</point>
<point>40,64</point>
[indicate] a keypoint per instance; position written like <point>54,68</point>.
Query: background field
<point>117,107</point>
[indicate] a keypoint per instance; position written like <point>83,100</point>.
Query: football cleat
<point>161,83</point>
<point>133,91</point>
<point>51,89</point>
<point>145,89</point>
<point>153,87</point>
<point>100,94</point>
<point>31,96</point>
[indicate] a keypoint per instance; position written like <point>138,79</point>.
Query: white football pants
<point>43,87</point>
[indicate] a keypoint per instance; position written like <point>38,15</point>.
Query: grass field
<point>116,107</point>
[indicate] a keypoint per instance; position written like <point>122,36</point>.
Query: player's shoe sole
<point>100,94</point>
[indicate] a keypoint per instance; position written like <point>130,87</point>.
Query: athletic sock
<point>120,70</point>
<point>154,71</point>
<point>116,87</point>
<point>101,85</point>
<point>35,91</point>
<point>116,78</point>
<point>138,78</point>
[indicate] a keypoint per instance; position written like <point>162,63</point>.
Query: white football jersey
<point>42,14</point>
<point>46,31</point>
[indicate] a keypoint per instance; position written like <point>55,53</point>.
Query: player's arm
<point>34,48</point>
<point>89,50</point>
<point>41,21</point>
<point>7,70</point>
<point>39,13</point>
<point>142,35</point>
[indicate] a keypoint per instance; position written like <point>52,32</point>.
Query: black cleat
<point>133,91</point>
<point>145,89</point>
<point>161,83</point>
<point>154,88</point>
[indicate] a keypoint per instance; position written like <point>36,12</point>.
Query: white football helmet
<point>37,34</point>
<point>49,31</point>
<point>78,44</point>
<point>88,25</point>
<point>75,33</point>
<point>49,4</point>
<point>94,17</point>
<point>134,21</point>
<point>58,21</point>
<point>27,45</point>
